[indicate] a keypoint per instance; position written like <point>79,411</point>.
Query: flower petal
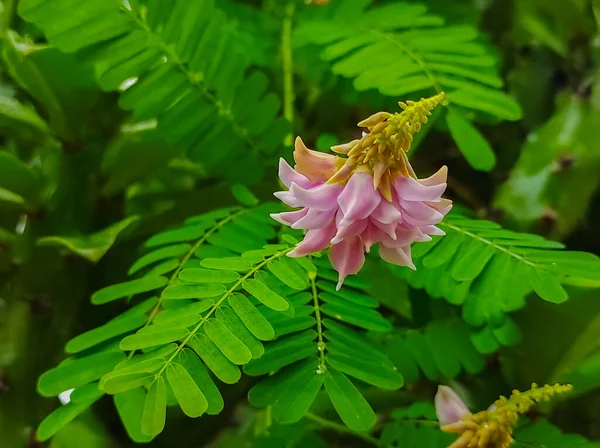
<point>289,218</point>
<point>315,240</point>
<point>287,174</point>
<point>288,198</point>
<point>323,197</point>
<point>420,214</point>
<point>354,229</point>
<point>449,408</point>
<point>315,165</point>
<point>387,213</point>
<point>314,219</point>
<point>347,258</point>
<point>411,189</point>
<point>358,199</point>
<point>399,256</point>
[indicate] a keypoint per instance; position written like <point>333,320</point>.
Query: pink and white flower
<point>355,216</point>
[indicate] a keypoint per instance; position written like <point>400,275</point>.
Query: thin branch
<point>324,423</point>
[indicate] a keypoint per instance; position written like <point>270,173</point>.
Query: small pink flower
<point>449,407</point>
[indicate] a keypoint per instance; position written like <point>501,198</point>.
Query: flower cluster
<point>370,196</point>
<point>493,427</point>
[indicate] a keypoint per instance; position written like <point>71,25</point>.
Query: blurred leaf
<point>470,142</point>
<point>555,177</point>
<point>65,88</point>
<point>94,246</point>
<point>18,178</point>
<point>20,120</point>
<point>134,157</point>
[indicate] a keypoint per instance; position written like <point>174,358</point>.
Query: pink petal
<point>289,218</point>
<point>389,229</point>
<point>438,178</point>
<point>405,236</point>
<point>387,213</point>
<point>347,258</point>
<point>315,165</point>
<point>432,230</point>
<point>370,236</point>
<point>358,199</point>
<point>288,175</point>
<point>411,189</point>
<point>354,229</point>
<point>314,219</point>
<point>449,408</point>
<point>324,197</point>
<point>420,214</point>
<point>315,240</point>
<point>288,198</point>
<point>399,256</point>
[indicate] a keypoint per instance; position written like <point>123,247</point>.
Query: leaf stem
<point>288,67</point>
<point>324,423</point>
<point>321,344</point>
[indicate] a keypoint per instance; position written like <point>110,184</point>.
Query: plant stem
<point>288,67</point>
<point>324,423</point>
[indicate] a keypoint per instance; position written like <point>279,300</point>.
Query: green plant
<point>140,144</point>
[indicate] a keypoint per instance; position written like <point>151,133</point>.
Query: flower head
<point>493,427</point>
<point>370,196</point>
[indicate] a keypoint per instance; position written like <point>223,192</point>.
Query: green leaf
<point>244,195</point>
<point>195,275</point>
<point>365,318</point>
<point>130,406</point>
<point>228,317</point>
<point>201,291</point>
<point>370,371</point>
<point>152,339</point>
<point>172,316</point>
<point>128,289</point>
<point>18,178</point>
<point>283,352</point>
<point>155,407</point>
<point>104,333</point>
<point>349,403</point>
<point>227,342</point>
<point>251,317</point>
<point>77,372</point>
<point>116,382</point>
<point>295,401</point>
<point>198,372</point>
<point>180,235</point>
<point>471,143</point>
<point>265,295</point>
<point>190,398</point>
<point>20,120</point>
<point>224,369</point>
<point>227,264</point>
<point>160,254</point>
<point>88,395</point>
<point>546,286</point>
<point>93,246</point>
<point>282,269</point>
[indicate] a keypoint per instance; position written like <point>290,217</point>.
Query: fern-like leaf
<point>177,62</point>
<point>401,49</point>
<point>184,292</point>
<point>320,346</point>
<point>489,270</point>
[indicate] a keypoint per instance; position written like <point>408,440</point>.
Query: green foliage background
<point>140,267</point>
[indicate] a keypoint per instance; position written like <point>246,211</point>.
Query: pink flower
<point>371,197</point>
<point>449,407</point>
<point>355,216</point>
